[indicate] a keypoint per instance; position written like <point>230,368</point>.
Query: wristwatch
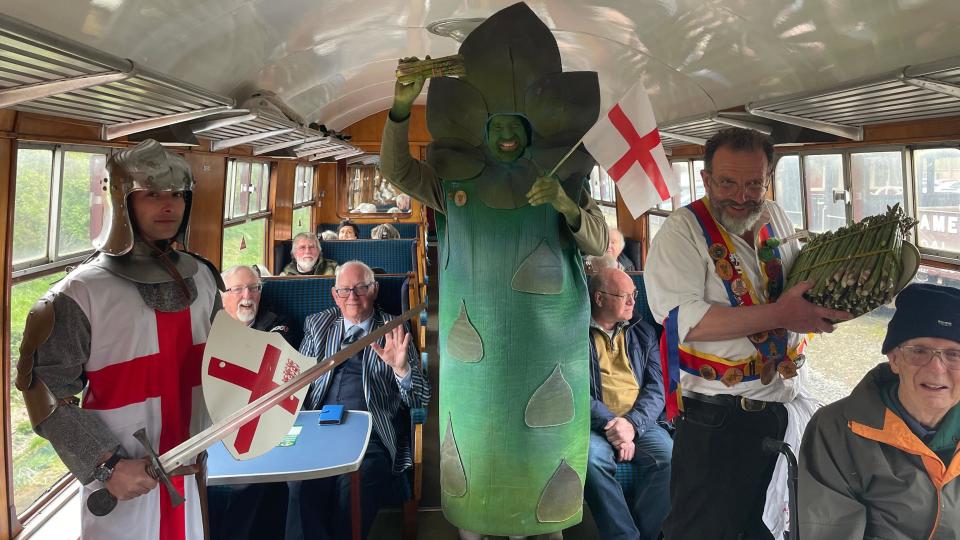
<point>104,471</point>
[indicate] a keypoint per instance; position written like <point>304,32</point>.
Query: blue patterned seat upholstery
<point>392,256</point>
<point>406,230</point>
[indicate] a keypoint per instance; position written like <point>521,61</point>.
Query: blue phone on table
<point>331,414</point>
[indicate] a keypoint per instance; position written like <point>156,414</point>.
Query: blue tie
<point>313,395</point>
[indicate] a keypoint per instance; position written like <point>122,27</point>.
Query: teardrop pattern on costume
<point>540,273</point>
<point>463,340</point>
<point>563,496</point>
<point>551,404</point>
<point>453,480</point>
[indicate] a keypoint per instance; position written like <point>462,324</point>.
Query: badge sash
<point>771,345</point>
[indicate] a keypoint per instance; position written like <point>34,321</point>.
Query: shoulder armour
<point>216,273</point>
<point>39,401</point>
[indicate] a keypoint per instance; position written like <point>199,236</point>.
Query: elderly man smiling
<point>308,258</point>
<point>241,300</point>
<point>883,462</point>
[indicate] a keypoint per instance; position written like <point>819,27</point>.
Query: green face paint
<point>506,137</point>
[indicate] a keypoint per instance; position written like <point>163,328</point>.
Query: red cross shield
<point>241,364</point>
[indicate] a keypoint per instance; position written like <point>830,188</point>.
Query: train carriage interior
<point>279,108</point>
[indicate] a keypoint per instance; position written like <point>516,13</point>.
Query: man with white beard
<point>241,299</point>
<point>248,510</point>
<point>308,258</point>
<point>733,344</point>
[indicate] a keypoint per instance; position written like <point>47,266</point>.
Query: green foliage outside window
<point>253,235</point>
<point>36,466</point>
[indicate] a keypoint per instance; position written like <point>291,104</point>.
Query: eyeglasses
<point>360,290</point>
<point>919,356</point>
<point>729,187</point>
<point>239,290</point>
<point>624,296</point>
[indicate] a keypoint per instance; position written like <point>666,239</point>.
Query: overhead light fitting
<point>457,29</point>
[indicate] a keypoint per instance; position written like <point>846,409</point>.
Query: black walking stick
<point>774,446</point>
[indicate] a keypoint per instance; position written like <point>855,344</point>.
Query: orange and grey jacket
<point>865,474</point>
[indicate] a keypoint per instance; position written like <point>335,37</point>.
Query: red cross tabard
<point>259,383</point>
<point>170,375</point>
<point>639,151</point>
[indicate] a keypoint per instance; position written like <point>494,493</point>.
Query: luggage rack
<point>45,73</point>
<point>911,93</point>
<point>697,129</point>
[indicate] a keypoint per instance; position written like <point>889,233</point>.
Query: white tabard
<point>143,372</point>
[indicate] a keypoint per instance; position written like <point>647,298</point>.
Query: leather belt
<point>726,400</point>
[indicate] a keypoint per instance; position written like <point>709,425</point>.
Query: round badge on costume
<point>787,369</point>
<point>732,376</point>
<point>460,198</point>
<point>800,360</point>
<point>724,270</point>
<point>717,251</point>
<point>707,372</point>
<point>739,287</point>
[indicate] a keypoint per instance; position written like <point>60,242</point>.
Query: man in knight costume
<point>514,309</point>
<point>127,328</point>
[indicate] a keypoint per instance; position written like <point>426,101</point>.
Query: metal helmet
<point>146,166</point>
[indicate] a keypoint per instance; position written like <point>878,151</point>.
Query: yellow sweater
<point>617,381</point>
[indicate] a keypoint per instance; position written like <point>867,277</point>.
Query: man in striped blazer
<point>384,379</point>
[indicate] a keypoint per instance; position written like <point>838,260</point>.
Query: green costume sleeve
<point>592,236</point>
<point>396,165</point>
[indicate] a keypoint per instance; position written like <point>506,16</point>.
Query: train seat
<point>392,256</point>
<point>406,230</point>
<point>300,296</point>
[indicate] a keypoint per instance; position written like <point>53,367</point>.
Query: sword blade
<point>201,441</point>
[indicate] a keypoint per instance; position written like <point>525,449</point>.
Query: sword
<point>102,502</point>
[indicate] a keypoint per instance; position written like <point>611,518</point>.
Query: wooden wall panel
<point>326,209</point>
<point>206,214</point>
<point>282,180</point>
<point>7,172</point>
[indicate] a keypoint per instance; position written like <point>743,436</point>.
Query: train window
<point>58,205</point>
<point>698,190</point>
<point>937,187</point>
<point>36,467</point>
<point>245,213</point>
<point>876,180</point>
<point>839,360</point>
<point>681,169</point>
<point>788,190</point>
<point>825,192</point>
<point>370,193</point>
<point>303,199</point>
<point>603,190</point>
<point>654,223</point>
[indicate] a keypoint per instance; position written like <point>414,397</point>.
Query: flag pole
<point>564,158</point>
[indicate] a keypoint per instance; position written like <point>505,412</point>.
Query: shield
<point>241,364</point>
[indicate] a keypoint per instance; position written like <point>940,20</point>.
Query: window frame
<point>313,186</point>
<point>52,261</point>
<point>229,219</point>
<point>600,202</point>
<point>913,210</point>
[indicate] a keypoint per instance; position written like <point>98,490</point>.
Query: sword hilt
<point>101,502</point>
<point>156,470</point>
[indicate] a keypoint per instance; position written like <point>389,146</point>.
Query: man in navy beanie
<point>883,462</point>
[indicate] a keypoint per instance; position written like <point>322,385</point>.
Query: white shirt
<point>680,272</point>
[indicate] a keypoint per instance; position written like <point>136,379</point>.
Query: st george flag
<point>626,143</point>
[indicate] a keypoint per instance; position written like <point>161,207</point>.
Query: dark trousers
<point>243,511</point>
<point>320,509</point>
<point>720,472</point>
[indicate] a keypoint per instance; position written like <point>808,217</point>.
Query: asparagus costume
<point>514,313</point>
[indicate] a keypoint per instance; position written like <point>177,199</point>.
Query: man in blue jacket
<point>626,399</point>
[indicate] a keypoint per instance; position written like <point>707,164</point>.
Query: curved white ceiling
<point>333,60</point>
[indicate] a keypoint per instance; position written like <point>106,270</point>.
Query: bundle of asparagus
<point>448,66</point>
<point>859,267</point>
